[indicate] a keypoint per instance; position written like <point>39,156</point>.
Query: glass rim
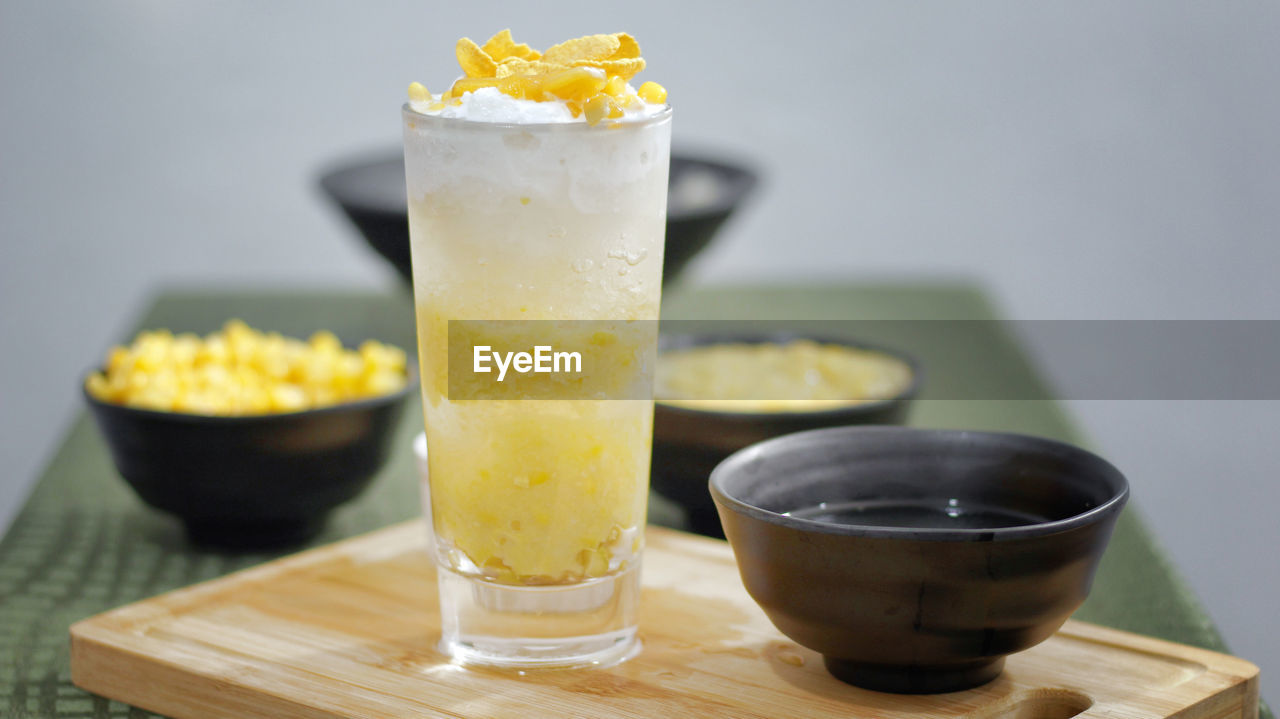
<point>662,115</point>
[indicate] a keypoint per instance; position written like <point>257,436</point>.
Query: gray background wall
<point>1083,159</point>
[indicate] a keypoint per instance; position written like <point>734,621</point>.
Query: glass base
<point>590,624</point>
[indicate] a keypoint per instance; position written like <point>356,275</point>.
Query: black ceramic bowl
<point>251,481</point>
<point>689,443</point>
<point>964,547</point>
<point>702,194</point>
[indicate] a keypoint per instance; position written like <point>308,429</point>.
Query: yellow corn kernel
<point>393,357</point>
<point>418,93</point>
<point>616,86</point>
<point>150,356</point>
<point>214,351</point>
<point>136,382</point>
<point>287,398</point>
<point>518,86</point>
<point>116,358</point>
<point>239,335</point>
<point>161,336</point>
<point>653,93</point>
<point>348,365</point>
<point>118,383</point>
<point>214,403</point>
<point>471,84</point>
<point>186,347</point>
<point>276,367</point>
<point>325,342</point>
<point>574,84</point>
<point>97,386</point>
<point>185,402</point>
<point>213,375</point>
<point>596,109</point>
<point>251,400</point>
<point>323,396</point>
<point>371,351</point>
<point>164,379</point>
<point>383,382</point>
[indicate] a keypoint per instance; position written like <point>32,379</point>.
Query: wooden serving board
<point>349,630</point>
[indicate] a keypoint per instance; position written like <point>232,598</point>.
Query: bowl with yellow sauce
<point>250,438</point>
<point>718,394</point>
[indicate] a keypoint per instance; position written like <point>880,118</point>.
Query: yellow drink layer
<point>539,492</point>
<point>539,223</point>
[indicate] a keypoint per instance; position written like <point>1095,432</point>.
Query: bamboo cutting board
<point>348,630</point>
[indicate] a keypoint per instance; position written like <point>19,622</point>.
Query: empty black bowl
<point>702,194</point>
<point>251,481</point>
<point>937,553</point>
<point>689,443</point>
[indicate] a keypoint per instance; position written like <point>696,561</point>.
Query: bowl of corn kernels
<point>249,437</point>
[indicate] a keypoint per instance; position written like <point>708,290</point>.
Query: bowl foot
<point>245,535</point>
<point>915,679</point>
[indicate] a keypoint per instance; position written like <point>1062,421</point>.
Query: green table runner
<point>84,543</point>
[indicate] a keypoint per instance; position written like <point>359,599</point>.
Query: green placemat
<point>84,543</point>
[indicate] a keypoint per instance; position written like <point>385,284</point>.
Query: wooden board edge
<point>1238,701</point>
<point>101,668</point>
<point>1252,702</point>
<point>1218,662</point>
<point>1237,681</point>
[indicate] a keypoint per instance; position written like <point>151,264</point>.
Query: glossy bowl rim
<point>1019,532</point>
<point>854,410</point>
<point>411,383</point>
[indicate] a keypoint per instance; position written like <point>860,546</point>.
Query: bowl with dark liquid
<point>916,560</point>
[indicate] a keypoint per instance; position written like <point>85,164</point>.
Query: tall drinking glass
<point>539,505</point>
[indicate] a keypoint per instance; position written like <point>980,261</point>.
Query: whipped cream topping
<point>488,104</point>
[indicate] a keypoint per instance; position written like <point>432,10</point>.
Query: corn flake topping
<point>589,74</point>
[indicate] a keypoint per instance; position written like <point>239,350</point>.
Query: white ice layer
<point>488,104</point>
<point>496,166</point>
